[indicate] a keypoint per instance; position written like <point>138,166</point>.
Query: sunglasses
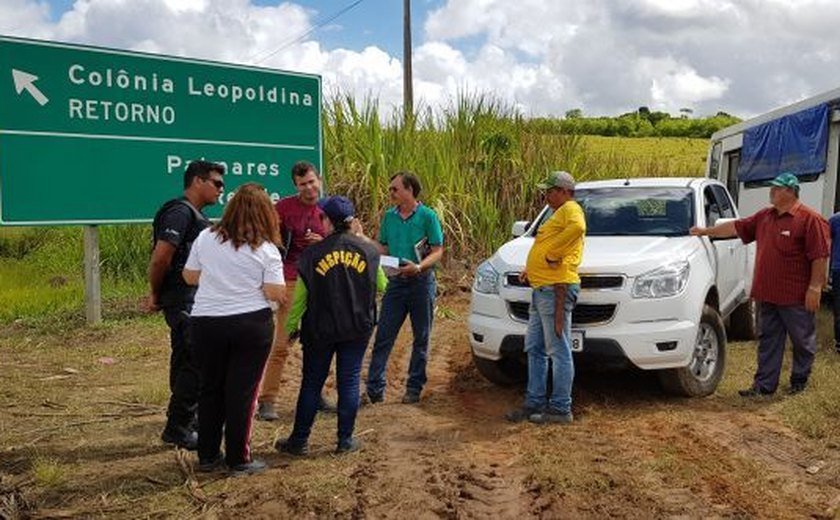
<point>219,184</point>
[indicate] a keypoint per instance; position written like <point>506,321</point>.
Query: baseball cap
<point>338,208</point>
<point>558,179</point>
<point>785,180</point>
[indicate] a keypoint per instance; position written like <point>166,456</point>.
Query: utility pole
<point>408,90</point>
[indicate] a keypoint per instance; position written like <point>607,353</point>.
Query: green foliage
<point>642,123</point>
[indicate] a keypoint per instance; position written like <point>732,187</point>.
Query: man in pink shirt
<point>300,227</point>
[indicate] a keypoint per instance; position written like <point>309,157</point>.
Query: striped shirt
<point>786,244</point>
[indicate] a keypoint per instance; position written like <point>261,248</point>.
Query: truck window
<point>710,207</point>
<point>733,160</point>
<point>637,211</point>
<point>724,203</point>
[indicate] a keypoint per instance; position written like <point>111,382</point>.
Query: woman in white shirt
<point>239,272</point>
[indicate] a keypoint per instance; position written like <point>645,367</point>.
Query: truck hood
<point>630,256</point>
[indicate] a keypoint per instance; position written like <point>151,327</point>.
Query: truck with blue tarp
<point>801,138</point>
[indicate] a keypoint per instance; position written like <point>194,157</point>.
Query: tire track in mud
<point>430,467</point>
<point>443,457</point>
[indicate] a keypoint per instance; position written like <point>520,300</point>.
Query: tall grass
<point>478,159</point>
<point>479,163</point>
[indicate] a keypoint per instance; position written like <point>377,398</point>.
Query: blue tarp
<point>796,143</point>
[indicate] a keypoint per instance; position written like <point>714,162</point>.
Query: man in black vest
<point>336,296</point>
<point>177,223</point>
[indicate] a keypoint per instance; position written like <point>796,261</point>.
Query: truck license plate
<point>577,341</point>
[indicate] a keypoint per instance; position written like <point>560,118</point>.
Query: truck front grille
<point>584,313</point>
<point>586,281</point>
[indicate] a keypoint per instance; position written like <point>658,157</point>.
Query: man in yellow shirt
<point>551,271</point>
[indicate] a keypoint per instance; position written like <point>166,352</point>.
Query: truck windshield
<point>634,211</point>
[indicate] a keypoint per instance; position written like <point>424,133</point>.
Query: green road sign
<point>94,136</point>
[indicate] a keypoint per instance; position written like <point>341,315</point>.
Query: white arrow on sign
<point>25,80</point>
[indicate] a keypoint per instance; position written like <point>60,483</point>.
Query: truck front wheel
<point>503,372</point>
<point>705,370</point>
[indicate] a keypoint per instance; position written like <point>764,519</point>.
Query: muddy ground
<point>81,411</point>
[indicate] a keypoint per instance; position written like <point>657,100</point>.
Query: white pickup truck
<point>651,294</point>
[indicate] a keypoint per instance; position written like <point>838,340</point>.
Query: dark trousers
<point>316,366</point>
<point>231,353</point>
<point>183,374</point>
<point>778,322</point>
<point>835,292</point>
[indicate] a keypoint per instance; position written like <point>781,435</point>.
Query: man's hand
<point>812,299</point>
<point>151,304</point>
<point>697,231</point>
<point>410,269</point>
<point>311,237</point>
<point>523,276</point>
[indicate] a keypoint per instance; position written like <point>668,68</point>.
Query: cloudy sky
<point>605,57</point>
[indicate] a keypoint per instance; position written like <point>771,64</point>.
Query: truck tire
<point>704,371</point>
<point>743,322</point>
<point>503,372</point>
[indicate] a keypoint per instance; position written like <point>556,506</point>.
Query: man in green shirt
<point>410,231</point>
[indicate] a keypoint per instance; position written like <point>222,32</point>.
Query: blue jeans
<point>413,297</point>
<point>835,292</point>
<point>542,344</point>
<point>316,366</point>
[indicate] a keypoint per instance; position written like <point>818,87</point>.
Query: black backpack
<point>185,246</point>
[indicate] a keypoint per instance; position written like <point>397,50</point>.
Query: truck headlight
<point>665,281</point>
<point>486,279</point>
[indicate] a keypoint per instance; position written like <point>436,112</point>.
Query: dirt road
<point>80,414</point>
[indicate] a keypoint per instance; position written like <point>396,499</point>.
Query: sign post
<point>93,136</point>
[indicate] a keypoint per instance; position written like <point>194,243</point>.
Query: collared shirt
<point>786,244</point>
<point>402,234</point>
<point>296,218</point>
<point>560,239</point>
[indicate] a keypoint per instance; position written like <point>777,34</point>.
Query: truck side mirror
<point>519,228</point>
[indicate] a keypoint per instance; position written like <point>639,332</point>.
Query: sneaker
<point>180,436</point>
<point>551,416</point>
<point>367,399</point>
<point>754,392</point>
<point>214,464</point>
<point>326,406</point>
<point>291,447</point>
<point>348,446</point>
<point>796,388</point>
<point>266,412</point>
<point>248,468</point>
<point>411,397</point>
<point>520,414</point>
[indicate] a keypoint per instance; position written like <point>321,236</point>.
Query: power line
<point>310,31</point>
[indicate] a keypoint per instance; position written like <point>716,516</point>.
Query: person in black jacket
<point>337,301</point>
<point>176,225</point>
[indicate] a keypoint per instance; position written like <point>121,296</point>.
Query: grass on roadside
<point>48,472</point>
<point>816,411</point>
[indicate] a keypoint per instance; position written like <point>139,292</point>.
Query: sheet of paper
<point>389,261</point>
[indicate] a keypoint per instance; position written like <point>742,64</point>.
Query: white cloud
<point>544,56</point>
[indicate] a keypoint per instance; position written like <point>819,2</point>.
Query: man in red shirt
<point>300,227</point>
<point>791,263</point>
